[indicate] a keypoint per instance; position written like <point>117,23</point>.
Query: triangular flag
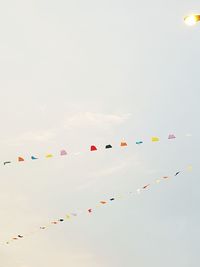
<point>189,168</point>
<point>123,144</point>
<point>6,162</point>
<point>171,136</point>
<point>49,156</point>
<point>76,153</point>
<point>154,139</point>
<point>138,190</point>
<point>63,152</point>
<point>144,187</point>
<point>20,159</point>
<point>139,142</point>
<point>108,146</point>
<point>93,148</point>
<point>32,157</point>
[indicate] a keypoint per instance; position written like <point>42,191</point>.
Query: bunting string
<point>63,152</point>
<point>90,210</point>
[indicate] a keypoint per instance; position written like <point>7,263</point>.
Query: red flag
<point>93,148</point>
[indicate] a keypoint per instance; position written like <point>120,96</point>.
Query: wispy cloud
<point>85,119</point>
<point>30,137</point>
<point>40,136</point>
<point>72,121</point>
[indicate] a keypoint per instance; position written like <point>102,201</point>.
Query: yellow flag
<point>49,156</point>
<point>154,139</point>
<point>120,197</point>
<point>189,168</point>
<point>67,217</point>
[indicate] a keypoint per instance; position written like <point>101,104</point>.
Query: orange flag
<point>123,144</point>
<point>20,159</point>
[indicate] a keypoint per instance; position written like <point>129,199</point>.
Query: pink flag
<point>63,152</point>
<point>171,136</point>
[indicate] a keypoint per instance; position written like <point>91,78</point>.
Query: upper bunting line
<point>92,148</point>
<point>91,209</point>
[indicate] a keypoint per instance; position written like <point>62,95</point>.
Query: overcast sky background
<point>76,73</point>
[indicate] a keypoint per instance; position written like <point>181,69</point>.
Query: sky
<point>80,73</point>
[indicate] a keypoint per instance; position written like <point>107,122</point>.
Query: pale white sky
<point>76,73</point>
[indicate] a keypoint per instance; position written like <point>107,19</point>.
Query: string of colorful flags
<point>63,152</point>
<point>90,210</point>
